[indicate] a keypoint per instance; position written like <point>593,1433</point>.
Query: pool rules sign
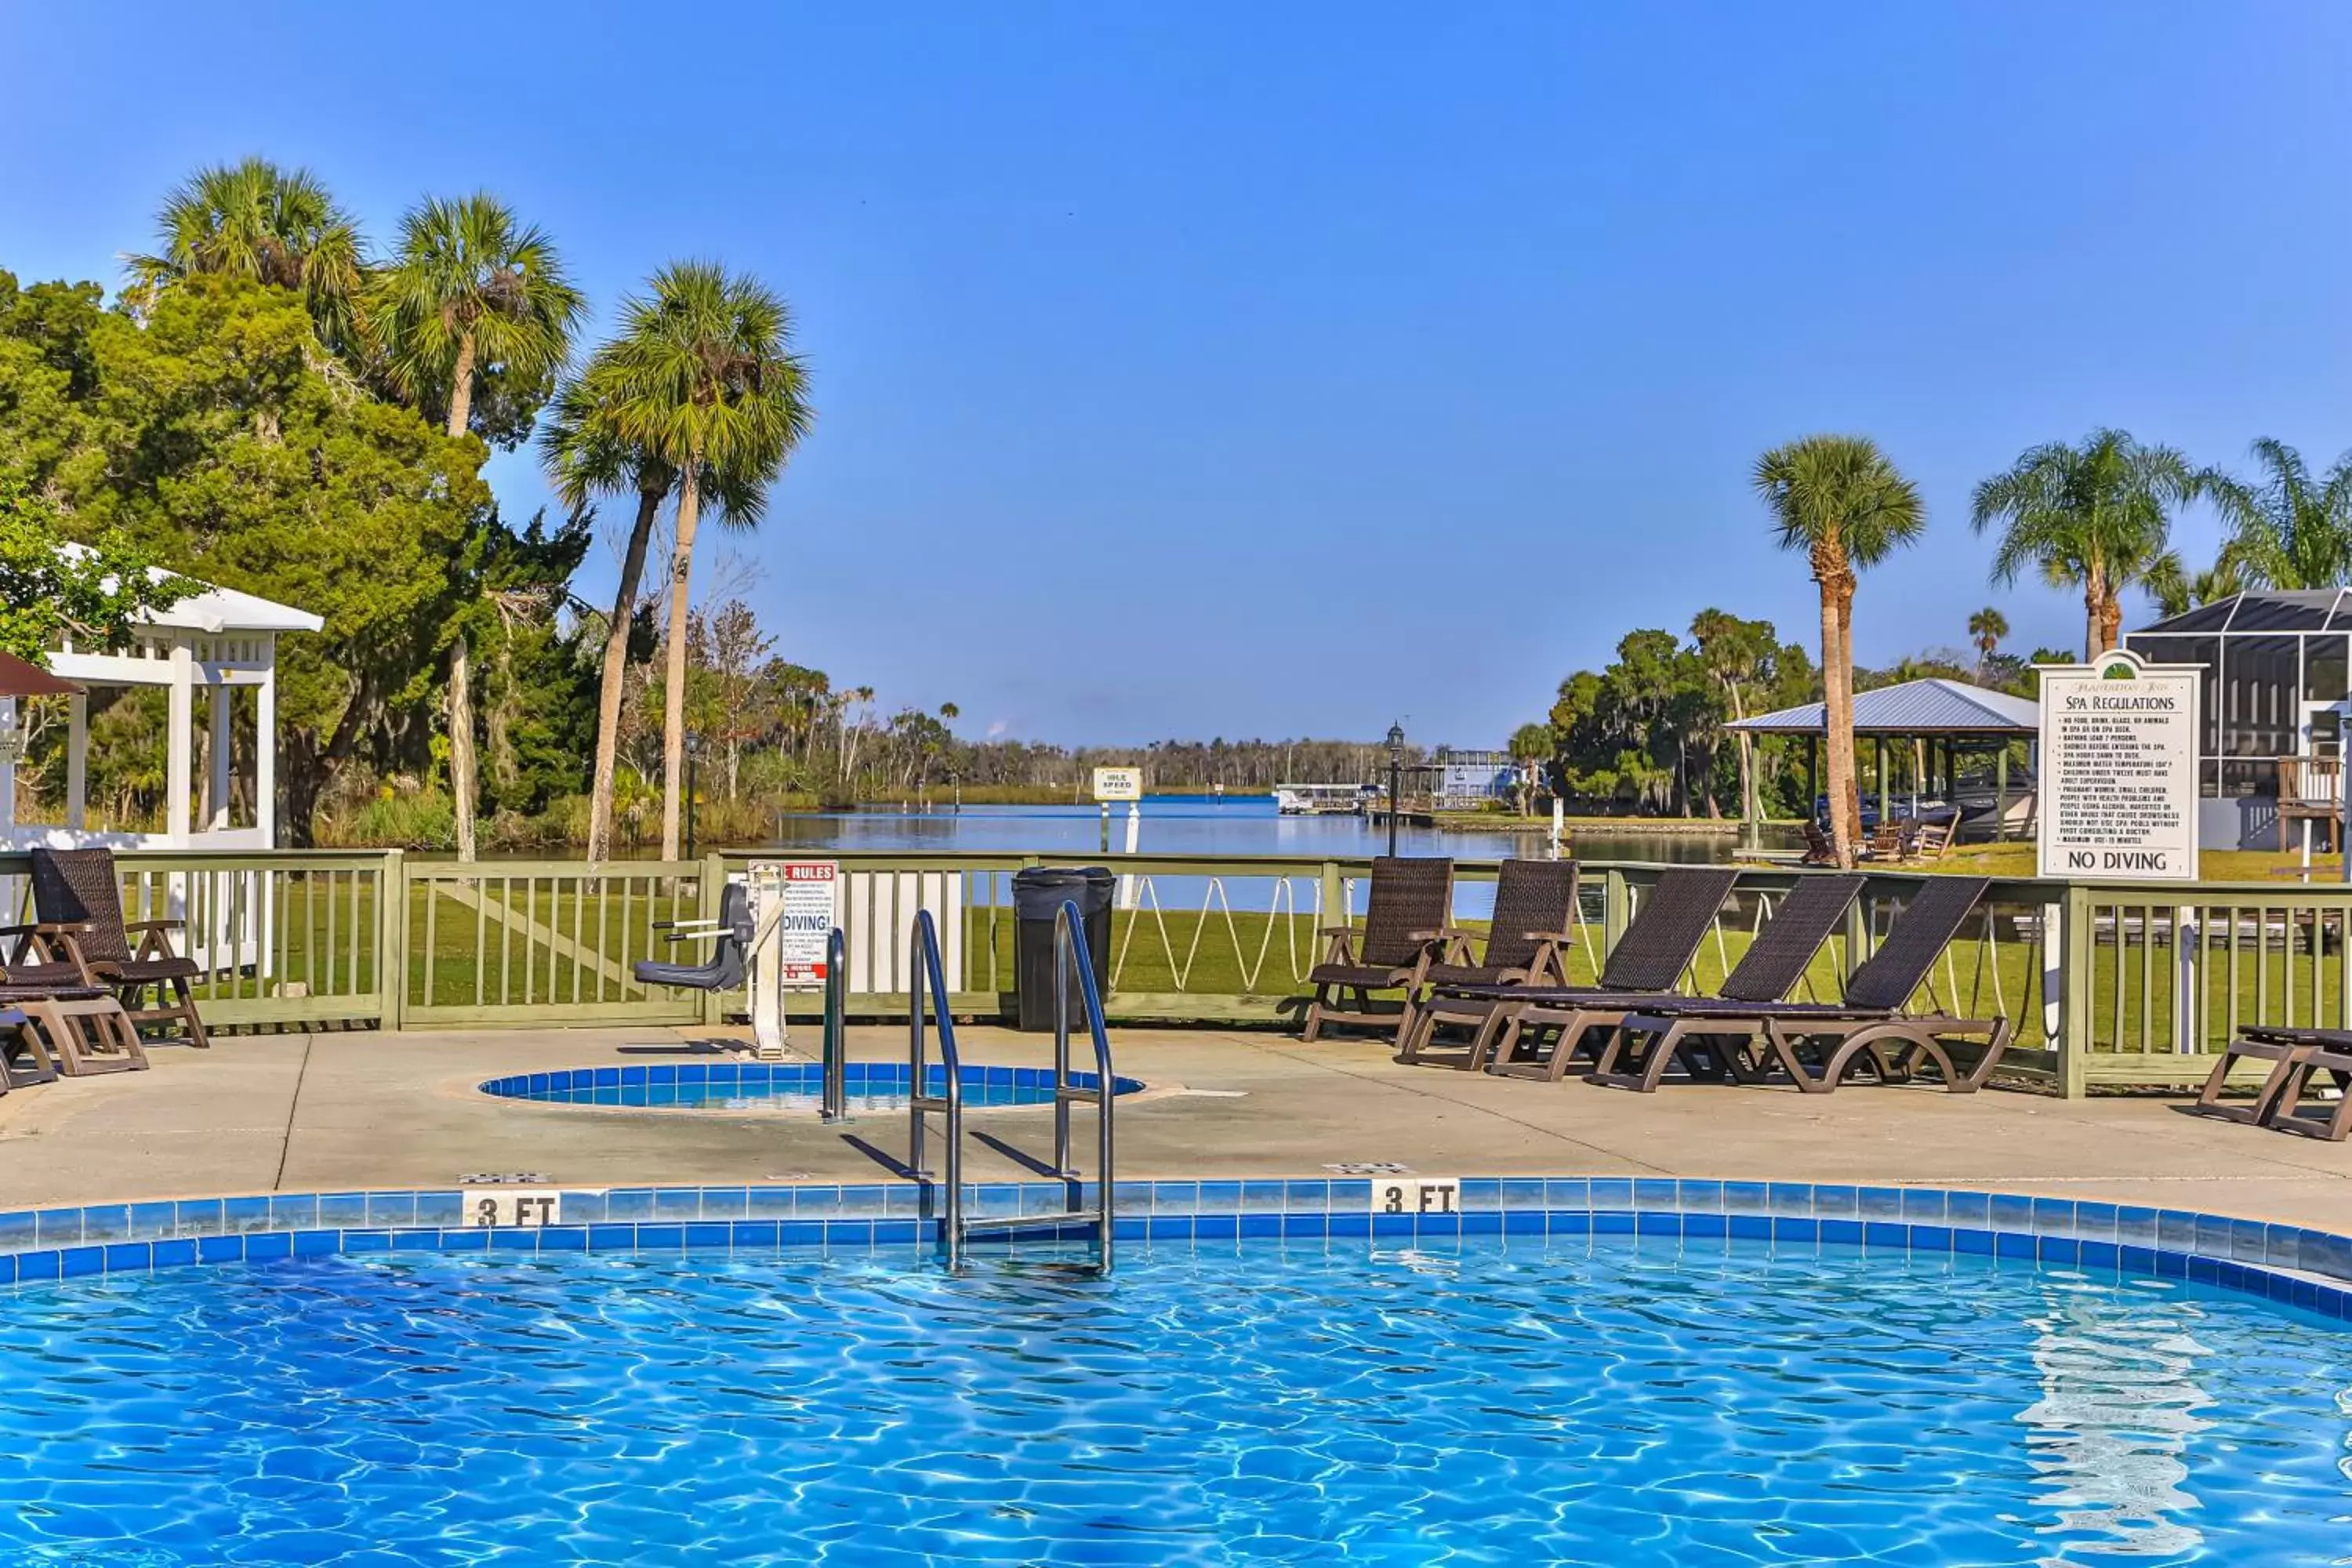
<point>2118,770</point>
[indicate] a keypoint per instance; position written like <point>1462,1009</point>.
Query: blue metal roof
<point>1912,707</point>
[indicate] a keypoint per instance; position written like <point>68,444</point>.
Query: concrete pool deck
<point>336,1112</point>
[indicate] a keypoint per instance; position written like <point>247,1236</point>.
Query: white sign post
<point>792,916</point>
<point>1127,785</point>
<point>2118,770</point>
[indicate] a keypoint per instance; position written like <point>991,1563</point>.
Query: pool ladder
<point>944,1200</point>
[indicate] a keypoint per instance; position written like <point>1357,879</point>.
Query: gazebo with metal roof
<point>1943,721</point>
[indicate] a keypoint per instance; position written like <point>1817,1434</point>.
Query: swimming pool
<point>1253,1386</point>
<point>778,1086</point>
<point>1544,1399</point>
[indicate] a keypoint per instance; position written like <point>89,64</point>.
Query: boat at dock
<point>1322,799</point>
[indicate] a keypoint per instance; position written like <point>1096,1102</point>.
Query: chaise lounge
<point>2297,1056</point>
<point>79,898</point>
<point>1650,958</point>
<point>1406,918</point>
<point>1815,1045</point>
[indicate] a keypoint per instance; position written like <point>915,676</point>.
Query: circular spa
<point>1255,1384</point>
<point>779,1086</point>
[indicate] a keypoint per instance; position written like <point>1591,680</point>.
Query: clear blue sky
<point>1323,364</point>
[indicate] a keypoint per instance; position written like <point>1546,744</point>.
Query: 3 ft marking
<point>511,1207</point>
<point>1418,1195</point>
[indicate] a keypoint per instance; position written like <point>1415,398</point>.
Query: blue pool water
<point>778,1086</point>
<point>1520,1401</point>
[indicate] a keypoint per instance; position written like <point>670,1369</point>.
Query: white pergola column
<point>180,745</point>
<point>265,749</point>
<point>77,761</point>
<point>217,791</point>
<point>8,737</point>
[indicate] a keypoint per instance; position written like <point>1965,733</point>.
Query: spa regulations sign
<point>2119,770</point>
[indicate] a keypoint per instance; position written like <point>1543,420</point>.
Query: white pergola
<point>217,641</point>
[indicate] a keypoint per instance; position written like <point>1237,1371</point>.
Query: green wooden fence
<point>2108,982</point>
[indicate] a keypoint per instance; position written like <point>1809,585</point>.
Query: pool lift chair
<point>747,953</point>
<point>729,964</point>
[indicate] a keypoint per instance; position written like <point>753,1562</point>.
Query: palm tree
<point>2095,516</point>
<point>2288,531</point>
<point>257,221</point>
<point>1531,746</point>
<point>2177,590</point>
<point>701,378</point>
<point>1985,628</point>
<point>468,294</point>
<point>1838,499</point>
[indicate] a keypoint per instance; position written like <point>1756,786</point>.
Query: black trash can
<point>1038,894</point>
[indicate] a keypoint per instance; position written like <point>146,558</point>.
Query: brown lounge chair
<point>1649,957</point>
<point>1534,924</point>
<point>2295,1056</point>
<point>66,1026</point>
<point>79,898</point>
<point>1816,1044</point>
<point>1405,920</point>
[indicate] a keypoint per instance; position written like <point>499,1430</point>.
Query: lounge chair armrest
<point>1558,936</point>
<point>148,925</point>
<point>1336,930</point>
<point>1424,936</point>
<point>50,927</point>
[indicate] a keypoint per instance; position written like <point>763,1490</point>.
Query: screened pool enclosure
<point>2274,692</point>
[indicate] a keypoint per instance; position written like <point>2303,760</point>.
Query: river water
<point>1204,824</point>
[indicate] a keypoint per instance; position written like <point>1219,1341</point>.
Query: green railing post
<point>392,939</point>
<point>1332,896</point>
<point>1616,911</point>
<point>714,882</point>
<point>2076,990</point>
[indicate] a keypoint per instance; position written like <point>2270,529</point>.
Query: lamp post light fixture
<point>1396,778</point>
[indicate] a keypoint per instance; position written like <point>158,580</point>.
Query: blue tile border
<point>2303,1268</point>
<point>658,1085</point>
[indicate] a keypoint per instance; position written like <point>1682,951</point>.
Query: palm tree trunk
<point>461,385</point>
<point>617,671</point>
<point>1850,795</point>
<point>463,782</point>
<point>1837,720</point>
<point>465,785</point>
<point>681,574</point>
<point>2095,598</point>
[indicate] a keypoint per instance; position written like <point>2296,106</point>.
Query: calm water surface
<point>1201,824</point>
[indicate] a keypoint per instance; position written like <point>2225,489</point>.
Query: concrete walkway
<point>341,1110</point>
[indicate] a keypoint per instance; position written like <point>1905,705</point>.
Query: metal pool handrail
<point>836,987</point>
<point>925,939</point>
<point>1070,948</point>
<point>945,1199</point>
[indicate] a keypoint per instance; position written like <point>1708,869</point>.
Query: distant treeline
<point>1174,764</point>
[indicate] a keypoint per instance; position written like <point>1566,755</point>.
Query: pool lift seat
<point>1090,1213</point>
<point>729,964</point>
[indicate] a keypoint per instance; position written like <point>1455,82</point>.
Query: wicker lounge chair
<point>1816,1044</point>
<point>1819,849</point>
<point>1533,921</point>
<point>80,900</point>
<point>1405,921</point>
<point>2296,1057</point>
<point>68,1026</point>
<point>1649,958</point>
